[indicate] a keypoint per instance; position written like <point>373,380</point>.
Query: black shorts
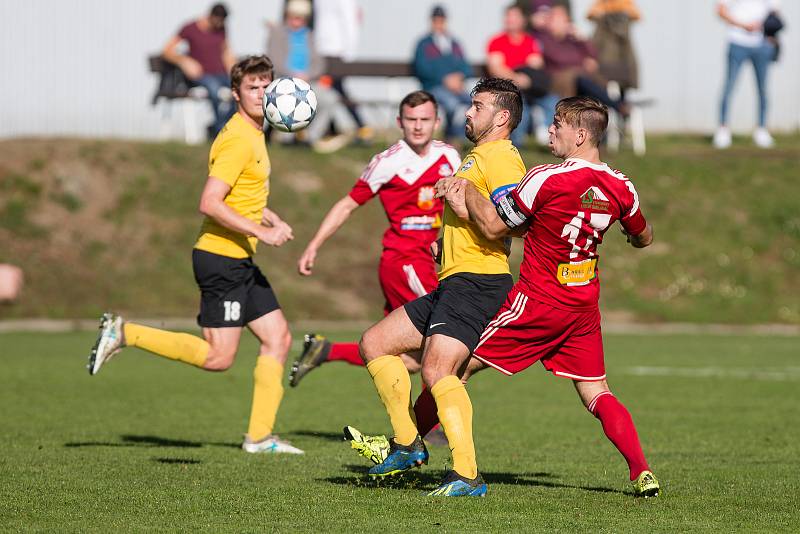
<point>461,306</point>
<point>233,291</point>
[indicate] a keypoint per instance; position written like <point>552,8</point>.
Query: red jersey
<point>404,181</point>
<point>515,54</point>
<point>570,206</point>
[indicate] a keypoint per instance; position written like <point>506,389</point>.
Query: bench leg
<point>191,122</point>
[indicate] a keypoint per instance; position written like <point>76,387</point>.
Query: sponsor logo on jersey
<point>445,169</point>
<point>467,165</point>
<point>577,273</point>
<point>425,197</point>
<point>420,222</point>
<point>594,199</point>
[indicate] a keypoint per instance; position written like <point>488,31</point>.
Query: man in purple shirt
<point>208,61</point>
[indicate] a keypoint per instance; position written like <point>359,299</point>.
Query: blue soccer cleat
<point>454,485</point>
<point>401,458</point>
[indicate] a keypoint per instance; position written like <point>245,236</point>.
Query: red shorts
<point>405,279</point>
<point>524,331</point>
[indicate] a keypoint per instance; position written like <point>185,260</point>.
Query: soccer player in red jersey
<point>551,314</point>
<point>403,177</point>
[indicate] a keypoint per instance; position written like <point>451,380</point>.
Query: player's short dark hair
<point>417,98</point>
<point>219,10</point>
<point>584,112</point>
<point>261,66</point>
<point>506,96</point>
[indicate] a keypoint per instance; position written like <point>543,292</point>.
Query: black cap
<point>438,11</point>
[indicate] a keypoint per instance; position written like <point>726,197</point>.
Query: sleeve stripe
<point>367,174</point>
<point>529,187</point>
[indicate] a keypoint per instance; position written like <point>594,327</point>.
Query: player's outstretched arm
<point>212,204</point>
<point>333,220</point>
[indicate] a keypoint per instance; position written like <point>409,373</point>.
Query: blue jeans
<point>222,110</point>
<point>450,103</point>
<point>760,56</point>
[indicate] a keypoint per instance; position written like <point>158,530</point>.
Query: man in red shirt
<point>552,314</point>
<point>208,62</point>
<point>403,177</point>
<point>516,56</point>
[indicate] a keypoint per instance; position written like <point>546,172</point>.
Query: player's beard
<point>472,134</point>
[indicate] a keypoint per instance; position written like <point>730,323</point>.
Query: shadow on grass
<point>427,480</point>
<point>328,436</point>
<point>178,461</point>
<point>150,441</point>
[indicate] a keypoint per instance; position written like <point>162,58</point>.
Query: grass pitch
<point>153,445</point>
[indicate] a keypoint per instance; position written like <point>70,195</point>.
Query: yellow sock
<point>394,387</point>
<point>173,345</point>
<point>455,413</point>
<point>267,395</point>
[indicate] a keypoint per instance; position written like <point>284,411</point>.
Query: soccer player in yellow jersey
<point>447,323</point>
<point>234,292</point>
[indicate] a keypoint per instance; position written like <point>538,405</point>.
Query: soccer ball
<point>289,104</point>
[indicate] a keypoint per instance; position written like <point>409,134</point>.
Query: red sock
<point>619,428</point>
<point>346,352</point>
<point>425,412</point>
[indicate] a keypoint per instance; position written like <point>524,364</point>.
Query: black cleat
<point>315,351</point>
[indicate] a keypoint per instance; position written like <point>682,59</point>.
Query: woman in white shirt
<point>746,42</point>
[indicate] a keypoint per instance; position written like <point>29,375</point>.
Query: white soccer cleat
<point>762,138</point>
<point>272,444</point>
<point>722,138</point>
<point>109,342</point>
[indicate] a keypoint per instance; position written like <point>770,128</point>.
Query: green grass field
<point>153,445</point>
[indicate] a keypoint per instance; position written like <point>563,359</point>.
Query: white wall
<point>78,67</point>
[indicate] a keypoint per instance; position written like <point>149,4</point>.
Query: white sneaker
<point>270,444</point>
<point>328,145</point>
<point>109,342</point>
<point>722,138</point>
<point>762,138</point>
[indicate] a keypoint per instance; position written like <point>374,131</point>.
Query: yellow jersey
<point>239,158</point>
<point>494,168</point>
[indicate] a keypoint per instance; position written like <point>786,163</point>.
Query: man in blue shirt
<point>441,68</point>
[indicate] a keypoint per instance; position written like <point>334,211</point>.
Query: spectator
<point>612,40</point>
<point>516,56</point>
<point>10,282</point>
<point>208,61</point>
<point>571,61</point>
<point>536,11</point>
<point>746,42</point>
<point>336,27</point>
<point>441,68</point>
<point>292,49</point>
<point>291,45</point>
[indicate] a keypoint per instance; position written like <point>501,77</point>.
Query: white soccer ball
<point>289,104</point>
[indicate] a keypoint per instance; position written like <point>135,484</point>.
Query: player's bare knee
<point>431,374</point>
<point>587,391</point>
<point>369,345</point>
<point>219,359</point>
<point>277,346</point>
